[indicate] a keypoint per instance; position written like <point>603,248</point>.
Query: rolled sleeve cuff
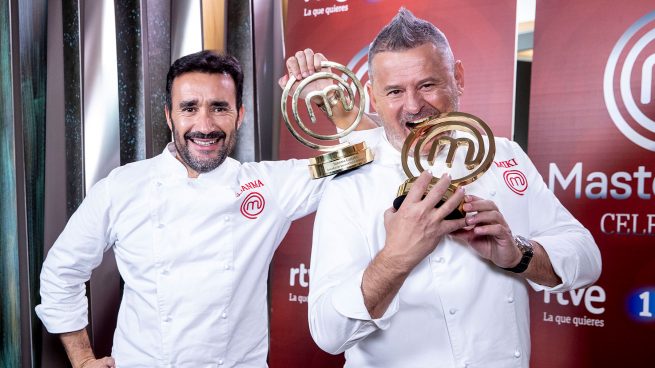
<point>565,263</point>
<point>61,320</point>
<point>348,301</point>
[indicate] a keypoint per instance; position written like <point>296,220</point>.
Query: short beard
<point>197,164</point>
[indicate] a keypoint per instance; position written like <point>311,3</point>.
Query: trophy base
<point>341,160</point>
<point>457,213</point>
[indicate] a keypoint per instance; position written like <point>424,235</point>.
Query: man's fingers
<point>106,362</point>
<point>419,187</point>
<point>453,226</point>
<point>485,217</point>
<point>293,68</point>
<point>310,61</point>
<point>388,213</point>
<point>476,204</point>
<point>318,58</point>
<point>488,230</point>
<point>282,82</point>
<point>438,190</point>
<point>451,204</point>
<point>301,59</point>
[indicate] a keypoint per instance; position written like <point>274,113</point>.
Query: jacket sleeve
<point>295,191</point>
<point>570,246</point>
<point>68,265</point>
<point>338,318</point>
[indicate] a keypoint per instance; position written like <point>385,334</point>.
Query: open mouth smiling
<point>204,142</point>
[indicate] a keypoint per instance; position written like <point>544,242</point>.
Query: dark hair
<point>210,62</point>
<point>405,32</point>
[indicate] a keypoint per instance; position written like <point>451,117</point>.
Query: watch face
<point>525,247</point>
<point>524,244</point>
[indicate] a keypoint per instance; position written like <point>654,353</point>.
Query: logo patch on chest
<point>253,205</point>
<point>516,181</point>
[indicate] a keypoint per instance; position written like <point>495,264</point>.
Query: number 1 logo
<point>642,305</point>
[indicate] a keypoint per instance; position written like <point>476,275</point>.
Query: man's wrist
<point>86,361</point>
<point>527,251</point>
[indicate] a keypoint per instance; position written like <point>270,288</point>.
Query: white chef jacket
<point>455,309</point>
<point>194,255</point>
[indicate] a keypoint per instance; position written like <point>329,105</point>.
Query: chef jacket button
<point>224,315</point>
<point>160,226</point>
<point>226,218</point>
<point>165,271</point>
<point>220,362</point>
<point>227,266</point>
<point>492,192</point>
<point>517,354</point>
<point>452,311</point>
<point>510,300</point>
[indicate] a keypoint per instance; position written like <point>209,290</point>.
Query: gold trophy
<point>437,132</point>
<point>340,157</point>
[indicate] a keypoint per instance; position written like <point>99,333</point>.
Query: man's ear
<point>459,76</point>
<point>371,95</point>
<point>242,113</point>
<point>168,117</point>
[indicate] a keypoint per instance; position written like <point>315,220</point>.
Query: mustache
<point>411,118</point>
<point>217,134</point>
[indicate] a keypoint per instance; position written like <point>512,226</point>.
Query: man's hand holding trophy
<point>340,97</point>
<point>431,136</point>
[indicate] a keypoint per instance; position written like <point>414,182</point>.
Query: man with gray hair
<point>409,288</point>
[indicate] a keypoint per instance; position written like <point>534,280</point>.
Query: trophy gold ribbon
<point>340,157</point>
<point>435,133</point>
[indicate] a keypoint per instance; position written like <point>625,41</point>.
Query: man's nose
<point>413,102</point>
<point>205,123</point>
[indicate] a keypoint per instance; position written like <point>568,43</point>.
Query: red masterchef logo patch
<point>252,205</point>
<point>516,181</point>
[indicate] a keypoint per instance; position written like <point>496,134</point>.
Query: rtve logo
<point>633,58</point>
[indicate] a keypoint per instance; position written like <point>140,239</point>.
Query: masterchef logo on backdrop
<point>628,84</point>
<point>634,184</point>
<point>359,65</point>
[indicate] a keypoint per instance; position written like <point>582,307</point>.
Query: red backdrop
<point>592,136</point>
<point>482,34</point>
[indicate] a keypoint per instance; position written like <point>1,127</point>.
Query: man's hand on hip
<point>106,362</point>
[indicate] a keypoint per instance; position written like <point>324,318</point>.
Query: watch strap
<point>525,247</point>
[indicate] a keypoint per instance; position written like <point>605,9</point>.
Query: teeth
<point>204,143</point>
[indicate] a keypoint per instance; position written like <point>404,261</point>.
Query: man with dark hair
<point>193,232</point>
<point>407,287</point>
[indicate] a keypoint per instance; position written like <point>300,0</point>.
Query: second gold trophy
<point>345,90</point>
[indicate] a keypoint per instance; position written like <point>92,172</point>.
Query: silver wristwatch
<point>526,249</point>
